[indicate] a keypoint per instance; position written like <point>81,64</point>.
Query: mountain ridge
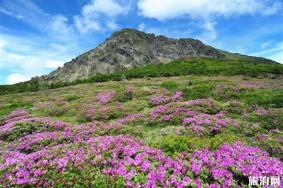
<point>130,48</point>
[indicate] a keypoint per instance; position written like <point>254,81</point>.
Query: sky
<point>38,36</point>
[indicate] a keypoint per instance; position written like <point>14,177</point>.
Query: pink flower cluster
<point>129,158</point>
<point>251,85</point>
<point>203,122</point>
<point>158,100</point>
<point>38,159</point>
<point>46,132</point>
<point>104,112</point>
<point>17,115</point>
<point>201,102</point>
<point>130,118</point>
<point>106,96</point>
<point>231,162</point>
<point>171,111</point>
<point>129,91</point>
<point>262,111</point>
<point>194,120</point>
<point>37,141</point>
<point>43,123</point>
<point>90,113</point>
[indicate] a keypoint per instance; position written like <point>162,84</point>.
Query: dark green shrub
<point>170,85</point>
<point>264,97</point>
<point>22,129</point>
<point>4,110</point>
<point>270,121</point>
<point>57,111</point>
<point>125,95</point>
<point>71,97</point>
<point>88,176</point>
<point>198,91</point>
<point>173,144</point>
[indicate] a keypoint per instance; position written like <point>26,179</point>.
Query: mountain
<point>131,48</point>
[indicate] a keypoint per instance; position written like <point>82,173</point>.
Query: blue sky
<point>38,36</point>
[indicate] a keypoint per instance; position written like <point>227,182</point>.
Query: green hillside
<point>238,65</point>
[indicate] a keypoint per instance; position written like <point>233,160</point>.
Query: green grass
<point>71,97</point>
<point>12,105</point>
<point>264,97</point>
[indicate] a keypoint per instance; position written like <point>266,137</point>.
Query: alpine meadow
<point>142,108</point>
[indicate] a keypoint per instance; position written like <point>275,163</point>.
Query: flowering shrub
<point>17,115</point>
<point>123,156</point>
<point>105,96</point>
<point>54,153</point>
<point>201,102</point>
<point>137,164</point>
<point>22,127</point>
<point>270,119</point>
<point>262,111</point>
<point>231,165</point>
<point>128,93</point>
<point>129,118</point>
<point>158,100</point>
<point>171,111</point>
<point>37,141</point>
<point>90,113</point>
<point>105,112</point>
<point>204,122</point>
<point>251,85</point>
<point>271,142</point>
<point>183,113</point>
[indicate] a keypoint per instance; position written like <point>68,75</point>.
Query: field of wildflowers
<point>158,132</point>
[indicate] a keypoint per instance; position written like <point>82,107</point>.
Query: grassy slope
<point>236,95</point>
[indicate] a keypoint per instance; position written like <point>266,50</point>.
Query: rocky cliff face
<point>126,49</point>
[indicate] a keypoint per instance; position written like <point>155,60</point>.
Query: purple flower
<point>106,96</point>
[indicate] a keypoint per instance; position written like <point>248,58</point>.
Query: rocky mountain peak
<point>130,48</point>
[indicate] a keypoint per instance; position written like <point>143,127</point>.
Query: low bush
<point>263,97</point>
<point>199,91</point>
<point>71,97</point>
<point>170,85</point>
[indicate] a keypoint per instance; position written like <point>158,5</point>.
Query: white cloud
<point>209,33</point>
<point>86,24</point>
<point>112,25</point>
<point>204,12</point>
<point>141,27</point>
<point>272,9</point>
<point>53,64</point>
<point>107,7</point>
<point>34,59</point>
<point>2,43</point>
<point>167,9</point>
<point>11,13</point>
<point>15,78</point>
<point>27,11</point>
<point>100,14</point>
<point>59,24</point>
